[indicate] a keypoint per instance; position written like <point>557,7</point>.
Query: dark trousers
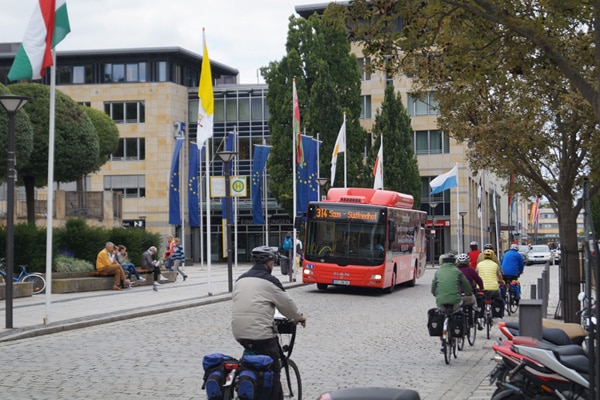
<point>269,347</point>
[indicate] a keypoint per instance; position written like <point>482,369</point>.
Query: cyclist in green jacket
<point>448,283</point>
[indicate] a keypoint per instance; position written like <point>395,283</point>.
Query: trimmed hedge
<point>74,240</point>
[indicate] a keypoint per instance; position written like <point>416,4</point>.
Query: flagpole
<point>345,152</point>
<point>457,211</point>
<point>481,216</point>
<point>50,200</point>
<point>292,262</point>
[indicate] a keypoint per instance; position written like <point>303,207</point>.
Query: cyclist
<point>463,263</point>
<point>448,284</point>
<point>255,296</point>
<point>473,254</point>
<point>490,274</point>
<point>512,265</point>
<point>481,257</point>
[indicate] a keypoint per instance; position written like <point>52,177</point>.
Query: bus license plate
<point>340,282</point>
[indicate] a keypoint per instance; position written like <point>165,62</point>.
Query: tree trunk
<point>570,268</point>
<point>29,183</point>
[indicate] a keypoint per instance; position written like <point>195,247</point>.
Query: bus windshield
<point>345,242</point>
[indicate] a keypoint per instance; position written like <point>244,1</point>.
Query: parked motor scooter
<point>371,393</point>
<point>532,369</point>
<point>554,333</point>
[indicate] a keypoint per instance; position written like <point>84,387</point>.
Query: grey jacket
<point>255,296</point>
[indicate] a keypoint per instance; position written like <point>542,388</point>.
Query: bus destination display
<point>347,213</point>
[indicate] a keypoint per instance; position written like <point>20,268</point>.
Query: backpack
<point>255,377</point>
<point>288,244</point>
<point>214,374</point>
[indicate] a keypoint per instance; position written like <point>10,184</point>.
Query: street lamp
<point>462,230</point>
<point>11,104</point>
<point>433,206</point>
<point>322,182</point>
<point>227,157</point>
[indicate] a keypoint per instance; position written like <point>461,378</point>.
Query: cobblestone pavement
<point>353,338</point>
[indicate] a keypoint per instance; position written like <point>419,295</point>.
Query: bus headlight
<point>376,277</point>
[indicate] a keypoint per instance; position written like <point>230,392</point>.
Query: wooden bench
<point>96,280</point>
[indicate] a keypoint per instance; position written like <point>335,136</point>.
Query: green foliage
<point>67,264</point>
<point>328,84</point>
<point>76,143</point>
<point>107,132</point>
<point>400,165</point>
<point>23,135</point>
<point>76,240</point>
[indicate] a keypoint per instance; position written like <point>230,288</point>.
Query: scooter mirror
<point>581,296</point>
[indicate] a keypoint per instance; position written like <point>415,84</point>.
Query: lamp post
<point>11,104</point>
<point>322,182</point>
<point>462,229</point>
<point>227,157</point>
<point>433,206</point>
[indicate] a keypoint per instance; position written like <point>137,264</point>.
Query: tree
<point>107,132</point>
<point>328,84</point>
<point>516,81</point>
<point>400,165</point>
<point>76,143</point>
<point>23,136</point>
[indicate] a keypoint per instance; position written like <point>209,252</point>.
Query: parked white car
<point>539,254</point>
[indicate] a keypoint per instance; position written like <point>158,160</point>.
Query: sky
<point>243,34</point>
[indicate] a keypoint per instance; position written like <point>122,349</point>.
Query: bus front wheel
<point>322,286</point>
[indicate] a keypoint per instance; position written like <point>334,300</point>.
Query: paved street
<point>353,338</point>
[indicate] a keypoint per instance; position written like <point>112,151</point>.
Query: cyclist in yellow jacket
<point>490,274</point>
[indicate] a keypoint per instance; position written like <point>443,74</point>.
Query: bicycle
<point>487,312</point>
<point>38,282</point>
<point>291,383</point>
<point>511,300</point>
<point>449,341</point>
<point>470,330</point>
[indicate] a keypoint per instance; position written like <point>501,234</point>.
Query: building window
<point>78,74</point>
<point>422,105</point>
<point>131,186</point>
<point>135,72</point>
<point>163,71</point>
<point>363,65</point>
<point>131,112</point>
<point>130,149</point>
<point>431,142</point>
<point>365,109</point>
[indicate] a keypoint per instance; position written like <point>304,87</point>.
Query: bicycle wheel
<point>507,301</point>
<point>291,384</point>
<point>460,342</point>
<point>513,304</point>
<point>488,324</point>
<point>454,347</point>
<point>38,282</point>
<point>471,334</point>
<point>228,393</point>
<point>447,340</point>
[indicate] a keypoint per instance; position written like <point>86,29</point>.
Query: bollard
<point>530,318</point>
<point>533,292</point>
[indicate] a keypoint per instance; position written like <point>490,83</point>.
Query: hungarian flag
<point>49,25</point>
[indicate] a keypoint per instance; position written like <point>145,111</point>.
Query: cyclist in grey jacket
<point>255,296</point>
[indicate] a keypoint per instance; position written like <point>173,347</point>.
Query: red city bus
<point>364,237</point>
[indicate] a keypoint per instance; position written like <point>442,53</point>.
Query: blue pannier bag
<point>256,378</point>
<point>214,374</point>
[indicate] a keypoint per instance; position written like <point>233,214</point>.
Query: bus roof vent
<point>353,199</point>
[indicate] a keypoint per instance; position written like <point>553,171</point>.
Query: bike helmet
<point>262,254</point>
<point>462,259</point>
<point>448,258</point>
<point>473,245</point>
<point>488,254</point>
<point>488,246</point>
<point>514,246</point>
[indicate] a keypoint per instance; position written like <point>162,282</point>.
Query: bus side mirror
<point>391,231</point>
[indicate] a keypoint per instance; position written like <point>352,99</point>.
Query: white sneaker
<point>142,279</point>
<point>162,278</point>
